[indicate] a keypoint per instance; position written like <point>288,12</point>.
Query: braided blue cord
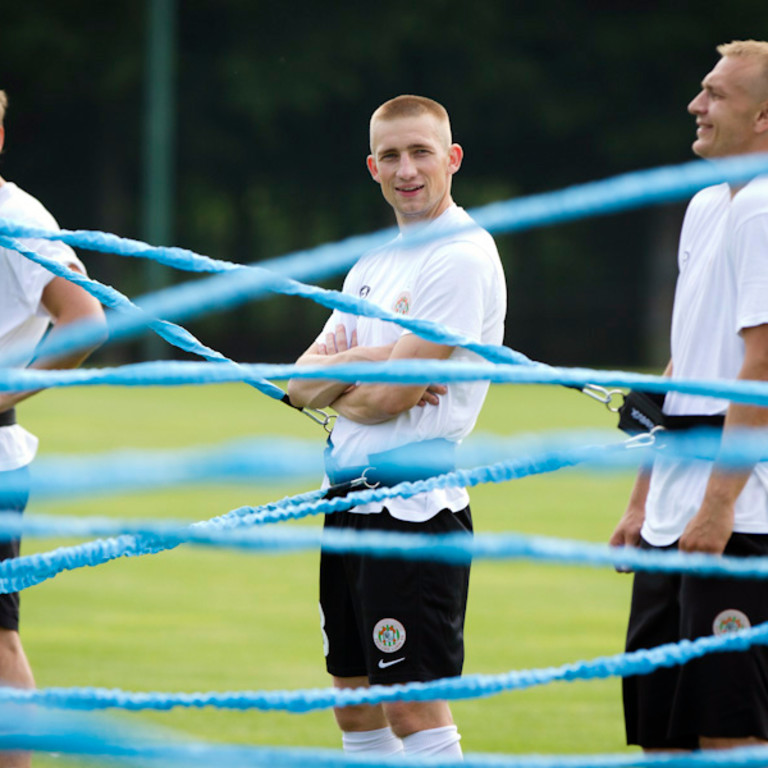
<point>110,297</point>
<point>641,662</point>
<point>176,373</point>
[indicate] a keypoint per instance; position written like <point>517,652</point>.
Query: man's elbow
<point>303,396</point>
<point>101,331</point>
<point>295,394</point>
<point>95,323</point>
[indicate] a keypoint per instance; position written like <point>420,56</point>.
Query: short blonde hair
<point>755,49</point>
<point>409,105</point>
<point>3,106</point>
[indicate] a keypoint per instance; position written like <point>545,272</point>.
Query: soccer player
<point>395,621</point>
<point>719,331</point>
<point>31,299</point>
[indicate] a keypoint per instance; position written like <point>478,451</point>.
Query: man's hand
<point>335,349</point>
<point>710,529</point>
<point>430,396</point>
<point>337,342</point>
<point>627,531</point>
<point>376,403</point>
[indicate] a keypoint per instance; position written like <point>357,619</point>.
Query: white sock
<point>379,742</point>
<point>434,741</point>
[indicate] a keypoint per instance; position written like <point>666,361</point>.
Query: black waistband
<point>408,463</point>
<point>8,418</point>
<point>690,422</point>
<point>642,411</point>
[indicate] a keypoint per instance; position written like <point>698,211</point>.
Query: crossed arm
<point>66,303</point>
<point>365,403</point>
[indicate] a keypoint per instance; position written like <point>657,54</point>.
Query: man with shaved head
<point>388,621</point>
<point>719,331</point>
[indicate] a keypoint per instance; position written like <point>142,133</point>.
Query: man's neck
<point>413,225</point>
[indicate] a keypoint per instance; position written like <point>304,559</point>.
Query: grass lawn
<point>199,619</point>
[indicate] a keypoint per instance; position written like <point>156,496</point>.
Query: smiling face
<point>731,109</point>
<point>413,160</point>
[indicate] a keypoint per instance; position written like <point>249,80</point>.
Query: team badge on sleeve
<point>389,635</point>
<point>730,621</point>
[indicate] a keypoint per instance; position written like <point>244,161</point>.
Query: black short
<point>16,502</point>
<point>718,695</point>
<point>389,619</point>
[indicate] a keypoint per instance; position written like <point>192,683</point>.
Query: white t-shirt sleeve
<point>750,258</point>
<point>32,277</point>
<point>341,318</point>
<point>452,289</point>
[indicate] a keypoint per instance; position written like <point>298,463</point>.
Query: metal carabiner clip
<point>361,483</point>
<point>644,440</point>
<point>325,420</point>
<point>368,484</point>
<point>602,395</point>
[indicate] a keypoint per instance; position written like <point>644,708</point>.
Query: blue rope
<point>86,735</point>
<point>450,548</point>
<point>276,459</point>
<point>139,539</point>
<point>641,662</point>
<point>110,297</point>
<point>226,291</point>
<point>145,538</point>
<point>619,193</point>
<point>23,572</point>
<point>176,373</point>
<point>262,460</point>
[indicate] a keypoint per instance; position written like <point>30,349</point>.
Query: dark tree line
<point>273,100</point>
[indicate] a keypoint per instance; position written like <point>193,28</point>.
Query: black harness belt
<point>408,463</point>
<point>8,418</point>
<point>642,411</point>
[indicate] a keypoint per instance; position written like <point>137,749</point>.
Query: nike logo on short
<point>384,664</point>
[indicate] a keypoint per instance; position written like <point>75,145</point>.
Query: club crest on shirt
<point>402,304</point>
<point>730,620</point>
<point>364,291</point>
<point>389,635</point>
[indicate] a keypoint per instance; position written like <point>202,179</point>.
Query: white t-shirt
<point>721,289</point>
<point>457,281</point>
<point>23,319</point>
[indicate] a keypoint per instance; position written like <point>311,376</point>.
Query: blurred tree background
<point>272,101</point>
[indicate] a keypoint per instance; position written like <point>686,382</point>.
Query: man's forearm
<point>725,482</point>
<point>366,404</point>
<point>65,362</point>
<point>316,393</point>
<point>711,527</point>
<point>321,393</point>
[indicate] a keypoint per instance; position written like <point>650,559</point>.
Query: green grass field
<point>199,619</point>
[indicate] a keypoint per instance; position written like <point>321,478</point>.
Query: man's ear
<point>373,169</point>
<point>761,121</point>
<point>455,156</point>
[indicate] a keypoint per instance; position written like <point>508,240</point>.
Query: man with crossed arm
<point>389,621</point>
